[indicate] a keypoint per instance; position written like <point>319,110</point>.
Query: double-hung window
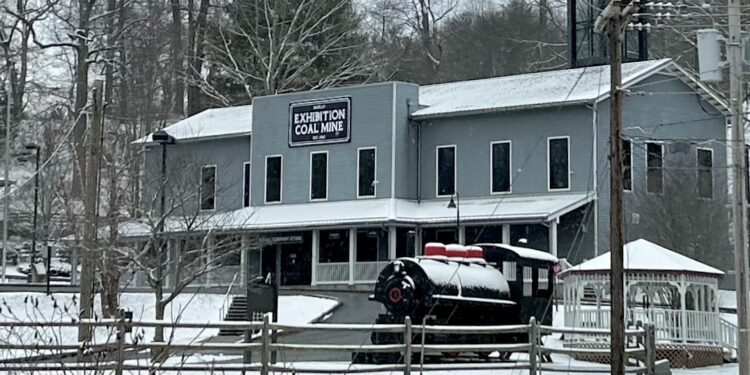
<point>627,165</point>
<point>208,187</point>
<point>246,184</point>
<point>318,175</point>
<point>705,164</point>
<point>366,172</point>
<point>500,167</point>
<point>445,165</point>
<point>274,172</point>
<point>558,163</point>
<point>654,167</point>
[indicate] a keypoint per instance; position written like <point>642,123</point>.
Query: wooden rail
<point>410,348</point>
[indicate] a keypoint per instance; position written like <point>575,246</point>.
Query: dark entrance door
<point>296,261</point>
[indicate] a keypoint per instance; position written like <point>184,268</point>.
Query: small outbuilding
<point>677,294</point>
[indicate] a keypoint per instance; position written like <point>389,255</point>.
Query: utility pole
<point>89,212</point>
<point>617,348</point>
<point>739,204</point>
<point>6,183</point>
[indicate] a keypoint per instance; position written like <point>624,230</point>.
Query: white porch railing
<point>368,271</point>
<point>333,273</point>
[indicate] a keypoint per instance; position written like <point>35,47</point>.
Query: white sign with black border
<point>320,121</point>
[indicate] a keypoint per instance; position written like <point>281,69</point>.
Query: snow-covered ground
<point>200,308</point>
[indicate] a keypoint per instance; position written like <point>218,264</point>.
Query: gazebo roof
<point>645,256</point>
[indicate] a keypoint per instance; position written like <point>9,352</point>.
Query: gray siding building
<point>364,174</point>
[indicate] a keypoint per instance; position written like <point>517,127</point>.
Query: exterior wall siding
<point>527,130</point>
<point>184,162</point>
<point>671,113</point>
<point>372,123</point>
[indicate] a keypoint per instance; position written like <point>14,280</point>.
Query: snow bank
<point>197,308</point>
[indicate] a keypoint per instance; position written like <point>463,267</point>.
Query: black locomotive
<point>484,284</point>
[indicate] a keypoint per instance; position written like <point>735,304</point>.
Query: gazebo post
<point>683,309</point>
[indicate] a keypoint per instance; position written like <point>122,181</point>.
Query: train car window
<point>543,278</point>
<point>528,281</point>
<point>509,271</point>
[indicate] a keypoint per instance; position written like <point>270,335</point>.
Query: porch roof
<point>529,208</point>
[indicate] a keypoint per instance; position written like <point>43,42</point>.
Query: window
<point>208,187</point>
<point>246,184</point>
<point>558,163</point>
<point>366,172</point>
<point>542,278</point>
<point>654,167</point>
<point>509,270</point>
<point>528,281</point>
<point>372,245</point>
<point>446,170</point>
<point>500,167</point>
<point>627,165</point>
<point>273,178</point>
<point>319,175</point>
<point>334,246</point>
<point>705,172</point>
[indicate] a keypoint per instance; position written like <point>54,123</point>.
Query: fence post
<point>264,351</point>
<point>421,352</point>
<point>532,346</point>
<point>120,344</point>
<point>407,346</point>
<point>650,346</point>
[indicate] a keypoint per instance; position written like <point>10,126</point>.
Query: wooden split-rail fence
<point>642,357</point>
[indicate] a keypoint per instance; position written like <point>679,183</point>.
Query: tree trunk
<point>81,97</point>
<point>428,43</point>
<point>178,92</point>
<point>197,36</point>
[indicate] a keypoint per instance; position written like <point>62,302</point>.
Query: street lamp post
<point>35,148</point>
<point>163,138</point>
<point>457,205</point>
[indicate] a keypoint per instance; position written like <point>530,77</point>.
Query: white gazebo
<point>677,294</point>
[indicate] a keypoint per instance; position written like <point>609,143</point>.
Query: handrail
<point>224,308</point>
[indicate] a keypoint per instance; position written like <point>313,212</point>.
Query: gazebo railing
<point>671,325</point>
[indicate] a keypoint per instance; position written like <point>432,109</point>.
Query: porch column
<point>506,234</point>
<point>352,253</point>
<point>315,257</point>
<point>244,255</point>
<point>418,246</point>
<point>170,258</point>
<point>553,237</point>
<point>392,243</point>
<point>209,257</point>
<point>174,269</point>
<point>462,235</point>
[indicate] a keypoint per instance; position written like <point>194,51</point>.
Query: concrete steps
<point>237,312</point>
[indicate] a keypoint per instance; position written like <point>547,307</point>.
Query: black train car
<point>530,275</point>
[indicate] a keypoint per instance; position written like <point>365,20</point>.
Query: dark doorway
<point>296,261</point>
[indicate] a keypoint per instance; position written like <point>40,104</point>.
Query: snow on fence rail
<point>645,353</point>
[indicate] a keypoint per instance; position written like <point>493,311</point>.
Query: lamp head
<point>452,203</point>
<point>162,137</point>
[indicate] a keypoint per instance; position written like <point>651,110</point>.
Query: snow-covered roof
<point>537,90</point>
<point>525,252</point>
<point>371,211</point>
<point>643,255</point>
<point>211,123</point>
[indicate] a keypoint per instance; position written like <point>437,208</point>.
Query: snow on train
<point>483,284</point>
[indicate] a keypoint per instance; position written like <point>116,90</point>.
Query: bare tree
<point>264,47</point>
